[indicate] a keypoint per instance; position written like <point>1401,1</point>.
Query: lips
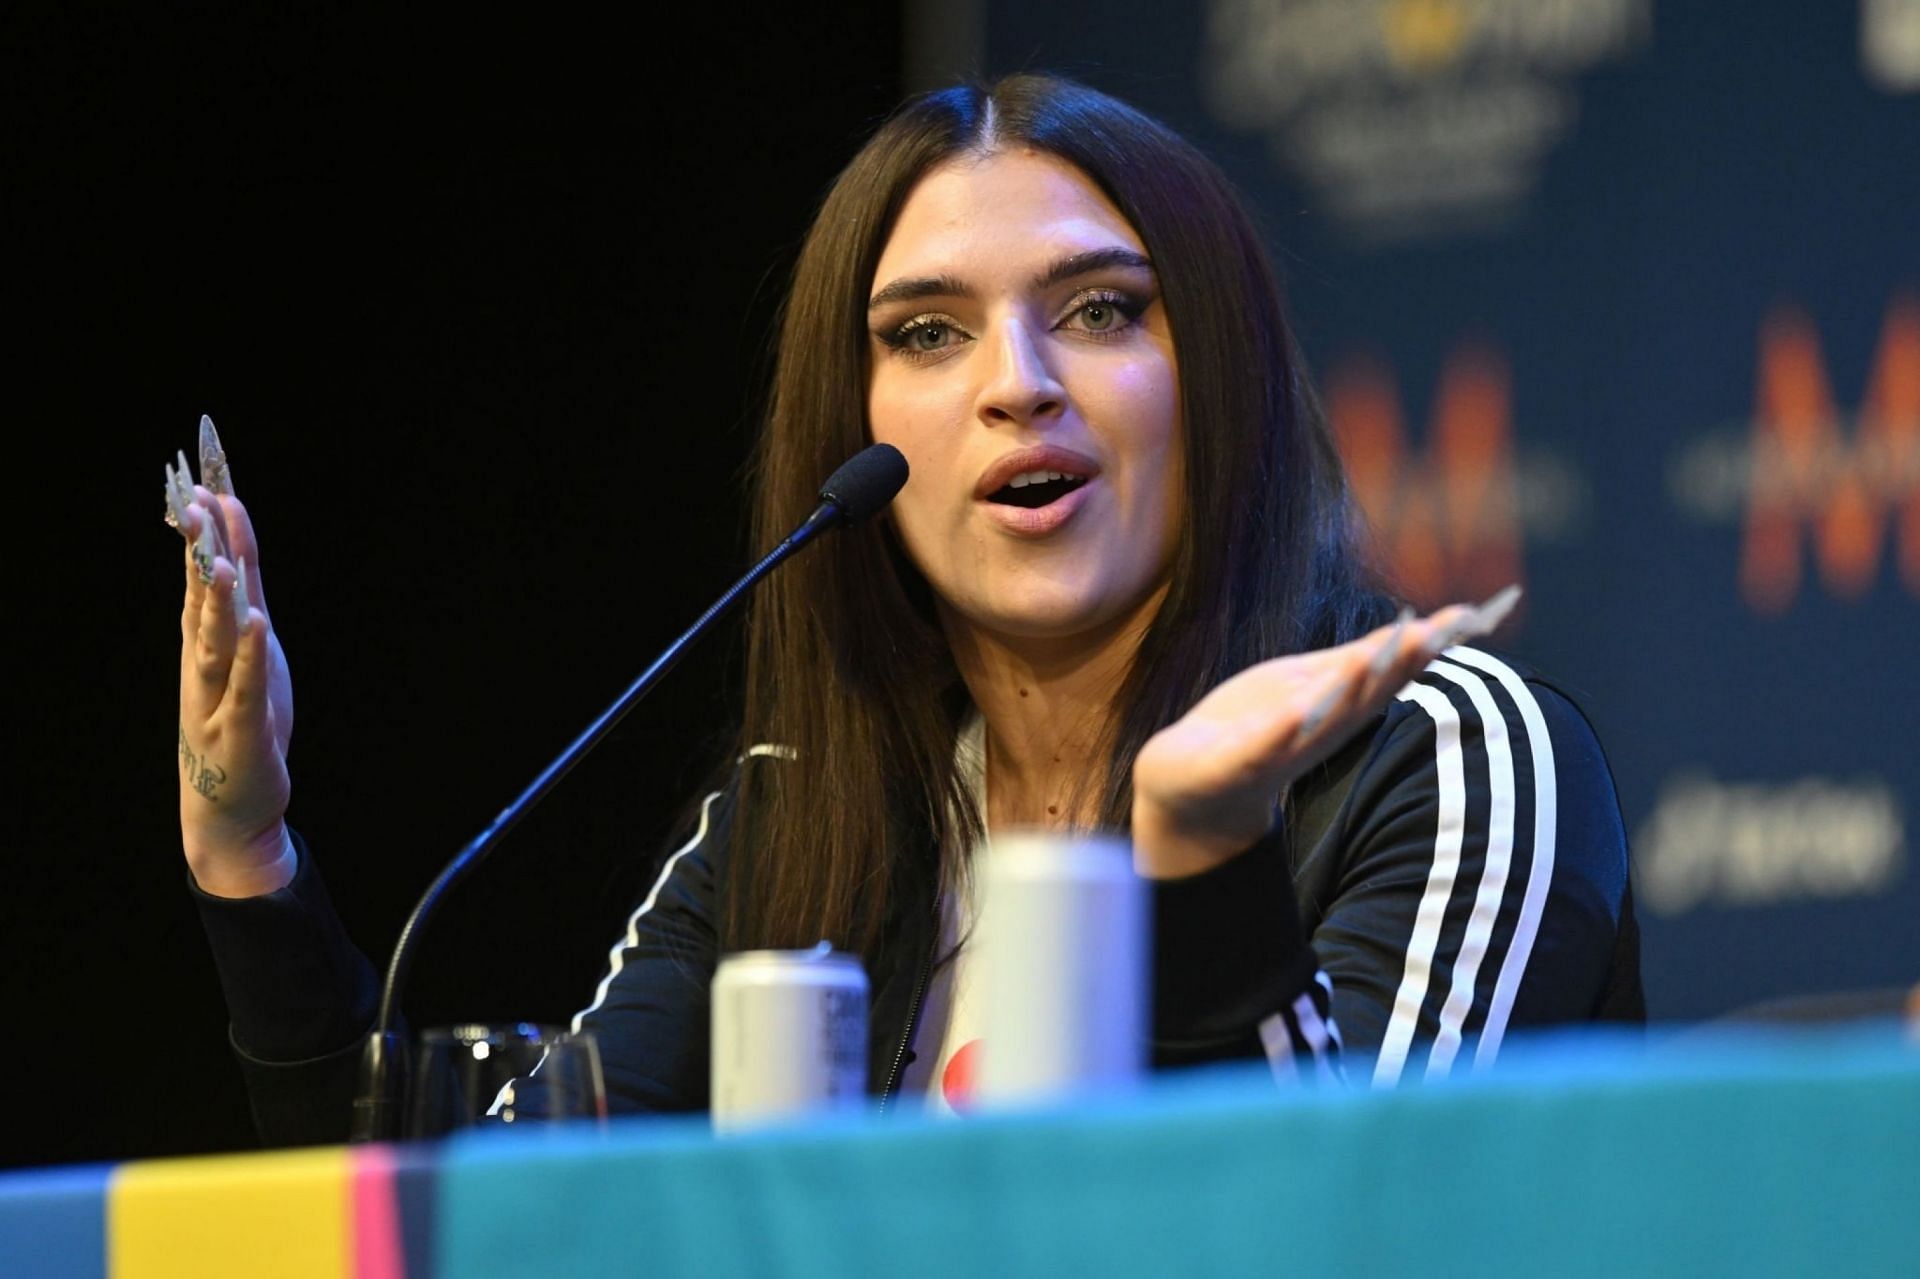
<point>1039,460</point>
<point>1078,471</point>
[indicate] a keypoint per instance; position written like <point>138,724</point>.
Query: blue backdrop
<point>1620,299</point>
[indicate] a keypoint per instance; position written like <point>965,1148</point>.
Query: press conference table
<point>1751,1156</point>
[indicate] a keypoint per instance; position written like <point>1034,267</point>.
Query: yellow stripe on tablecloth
<point>282,1214</point>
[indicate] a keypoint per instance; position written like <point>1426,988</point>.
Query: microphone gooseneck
<point>863,486</point>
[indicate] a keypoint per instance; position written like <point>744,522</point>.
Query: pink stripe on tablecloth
<point>377,1250</point>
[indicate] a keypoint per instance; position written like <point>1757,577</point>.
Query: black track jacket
<point>1455,872</point>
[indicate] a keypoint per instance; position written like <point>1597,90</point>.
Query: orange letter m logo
<point>1445,527</point>
<point>1805,474</point>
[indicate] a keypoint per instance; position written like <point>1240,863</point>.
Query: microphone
<point>862,487</point>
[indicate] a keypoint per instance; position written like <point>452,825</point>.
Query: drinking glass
<point>521,1074</point>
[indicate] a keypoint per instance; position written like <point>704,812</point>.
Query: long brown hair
<point>846,664</point>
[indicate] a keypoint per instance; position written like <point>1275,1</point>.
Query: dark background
<point>481,314</point>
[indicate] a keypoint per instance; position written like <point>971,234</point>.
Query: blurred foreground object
<point>1066,954</point>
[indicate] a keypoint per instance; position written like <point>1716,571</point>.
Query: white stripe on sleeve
<point>1325,983</point>
<point>1314,1031</point>
<point>632,936</point>
<point>1546,821</point>
<point>1448,833</point>
<point>1277,1039</point>
<point>1501,785</point>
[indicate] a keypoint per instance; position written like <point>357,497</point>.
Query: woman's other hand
<point>1206,787</point>
<point>236,699</point>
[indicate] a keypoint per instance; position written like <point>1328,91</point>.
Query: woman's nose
<point>1020,386</point>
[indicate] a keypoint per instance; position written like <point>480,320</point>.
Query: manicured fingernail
<point>1487,618</point>
<point>1449,635</point>
<point>182,482</point>
<point>176,513</point>
<point>1459,632</point>
<point>204,551</point>
<point>1390,648</point>
<point>241,604</point>
<point>214,471</point>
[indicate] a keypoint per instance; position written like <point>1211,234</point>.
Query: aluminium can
<point>789,1035</point>
<point>1063,950</point>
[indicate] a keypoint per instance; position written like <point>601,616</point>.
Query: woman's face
<point>1017,334</point>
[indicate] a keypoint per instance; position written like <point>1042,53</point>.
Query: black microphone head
<point>866,482</point>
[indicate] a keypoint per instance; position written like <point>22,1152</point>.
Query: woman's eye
<point>1103,314</point>
<point>924,335</point>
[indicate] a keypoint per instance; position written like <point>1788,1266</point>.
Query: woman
<point>1118,591</point>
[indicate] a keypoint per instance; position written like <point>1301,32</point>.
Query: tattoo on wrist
<point>202,774</point>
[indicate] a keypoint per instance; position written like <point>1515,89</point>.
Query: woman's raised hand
<point>236,700</point>
<point>1206,786</point>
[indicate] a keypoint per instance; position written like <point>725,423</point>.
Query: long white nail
<point>176,513</point>
<point>215,473</point>
<point>242,606</point>
<point>1447,637</point>
<point>182,482</point>
<point>1487,618</point>
<point>1390,647</point>
<point>204,551</point>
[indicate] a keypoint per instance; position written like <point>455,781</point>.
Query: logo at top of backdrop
<point>1412,117</point>
<point>1450,524</point>
<point>1890,44</point>
<point>1801,472</point>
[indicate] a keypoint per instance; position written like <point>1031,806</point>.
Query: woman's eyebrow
<point>1092,260</point>
<point>912,288</point>
<point>908,289</point>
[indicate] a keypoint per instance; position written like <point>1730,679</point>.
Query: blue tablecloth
<point>1751,1156</point>
<point>1789,1155</point>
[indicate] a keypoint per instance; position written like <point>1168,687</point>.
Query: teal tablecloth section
<point>1748,1157</point>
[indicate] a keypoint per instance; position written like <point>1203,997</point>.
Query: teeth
<point>1025,478</point>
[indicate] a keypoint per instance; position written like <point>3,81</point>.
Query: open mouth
<point>1036,489</point>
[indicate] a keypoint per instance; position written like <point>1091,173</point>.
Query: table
<point>1751,1155</point>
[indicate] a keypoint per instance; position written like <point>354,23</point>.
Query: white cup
<point>1064,951</point>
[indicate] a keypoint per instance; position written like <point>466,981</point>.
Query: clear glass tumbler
<point>521,1074</point>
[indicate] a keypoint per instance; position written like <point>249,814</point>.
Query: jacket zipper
<point>913,1011</point>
